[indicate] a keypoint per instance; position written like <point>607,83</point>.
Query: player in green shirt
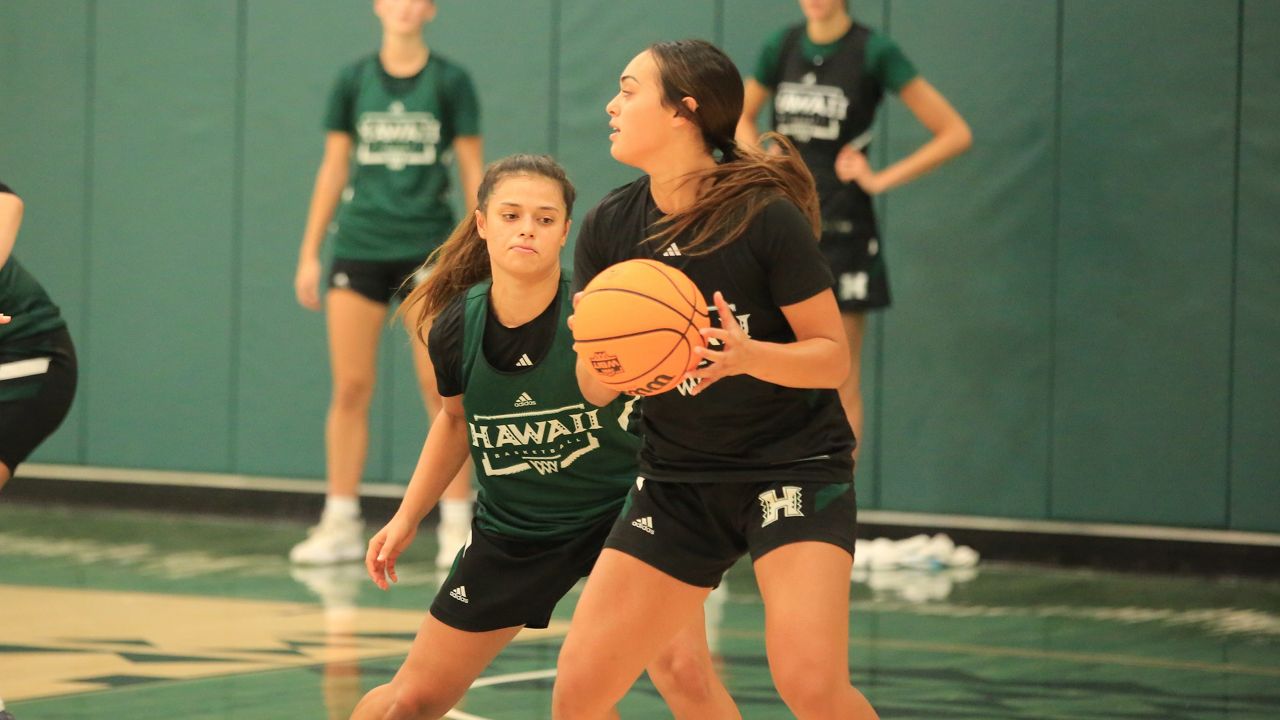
<point>823,80</point>
<point>38,370</point>
<point>395,122</point>
<point>553,470</point>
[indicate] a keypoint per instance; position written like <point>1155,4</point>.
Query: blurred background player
<point>395,119</point>
<point>37,358</point>
<point>823,81</point>
<point>553,471</point>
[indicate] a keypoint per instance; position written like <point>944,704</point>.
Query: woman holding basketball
<point>553,470</point>
<point>401,115</point>
<point>824,80</point>
<point>752,454</point>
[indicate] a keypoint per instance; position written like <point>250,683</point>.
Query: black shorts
<point>35,397</point>
<point>501,582</point>
<point>694,532</point>
<point>862,279</point>
<point>377,280</point>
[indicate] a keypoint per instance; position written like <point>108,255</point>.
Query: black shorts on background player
<point>694,532</point>
<point>377,280</point>
<point>499,582</point>
<point>33,406</point>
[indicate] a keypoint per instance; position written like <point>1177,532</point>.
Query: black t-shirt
<point>741,427</point>
<point>510,349</point>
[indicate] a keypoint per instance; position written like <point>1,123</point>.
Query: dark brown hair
<point>463,259</point>
<point>744,180</point>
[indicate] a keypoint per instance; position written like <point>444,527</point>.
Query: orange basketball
<point>637,324</point>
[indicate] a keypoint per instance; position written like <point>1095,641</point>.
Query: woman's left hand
<point>733,354</point>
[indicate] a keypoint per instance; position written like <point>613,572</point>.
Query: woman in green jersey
<point>553,470</point>
<point>823,80</point>
<point>395,121</point>
<point>38,370</point>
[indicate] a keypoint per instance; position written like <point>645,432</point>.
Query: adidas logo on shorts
<point>460,594</point>
<point>672,250</point>
<point>524,400</point>
<point>644,523</point>
<point>524,361</point>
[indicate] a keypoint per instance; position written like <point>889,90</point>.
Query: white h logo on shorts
<point>788,504</point>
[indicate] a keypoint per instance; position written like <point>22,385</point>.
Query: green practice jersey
<point>403,130</point>
<point>548,462</point>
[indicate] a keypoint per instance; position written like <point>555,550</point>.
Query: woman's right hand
<point>306,283</point>
<point>385,546</point>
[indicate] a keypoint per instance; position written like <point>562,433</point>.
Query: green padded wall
<point>967,345</point>
<point>1085,309</point>
<point>43,120</point>
<point>1142,306</point>
<point>1255,454</point>
<point>282,350</point>
<point>161,243</point>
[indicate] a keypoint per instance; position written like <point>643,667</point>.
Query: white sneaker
<point>334,540</point>
<point>450,540</point>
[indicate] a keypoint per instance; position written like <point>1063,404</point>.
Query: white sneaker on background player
<point>452,530</point>
<point>450,537</point>
<point>335,540</point>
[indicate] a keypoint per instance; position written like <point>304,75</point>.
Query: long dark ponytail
<point>745,180</point>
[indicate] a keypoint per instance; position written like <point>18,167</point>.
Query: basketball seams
<point>630,345</point>
<point>637,293</point>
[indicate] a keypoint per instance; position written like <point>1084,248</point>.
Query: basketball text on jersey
<point>542,440</point>
<point>524,400</point>
<point>397,138</point>
<point>644,523</point>
<point>460,594</point>
<point>806,110</point>
<point>788,504</point>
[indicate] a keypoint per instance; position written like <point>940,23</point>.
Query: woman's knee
<point>412,702</point>
<point>809,689</point>
<point>352,393</point>
<point>574,693</point>
<point>685,673</point>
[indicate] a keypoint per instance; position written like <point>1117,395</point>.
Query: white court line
<point>456,714</point>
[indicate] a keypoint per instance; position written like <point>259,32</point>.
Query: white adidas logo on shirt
<point>524,361</point>
<point>645,523</point>
<point>460,594</point>
<point>672,250</point>
<point>524,400</point>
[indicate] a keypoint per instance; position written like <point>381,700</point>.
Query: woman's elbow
<point>962,137</point>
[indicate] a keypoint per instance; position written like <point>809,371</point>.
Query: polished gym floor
<point>141,616</point>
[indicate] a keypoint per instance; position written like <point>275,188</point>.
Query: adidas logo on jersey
<point>644,523</point>
<point>672,250</point>
<point>460,594</point>
<point>524,361</point>
<point>524,400</point>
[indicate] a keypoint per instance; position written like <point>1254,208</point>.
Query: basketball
<point>637,324</point>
